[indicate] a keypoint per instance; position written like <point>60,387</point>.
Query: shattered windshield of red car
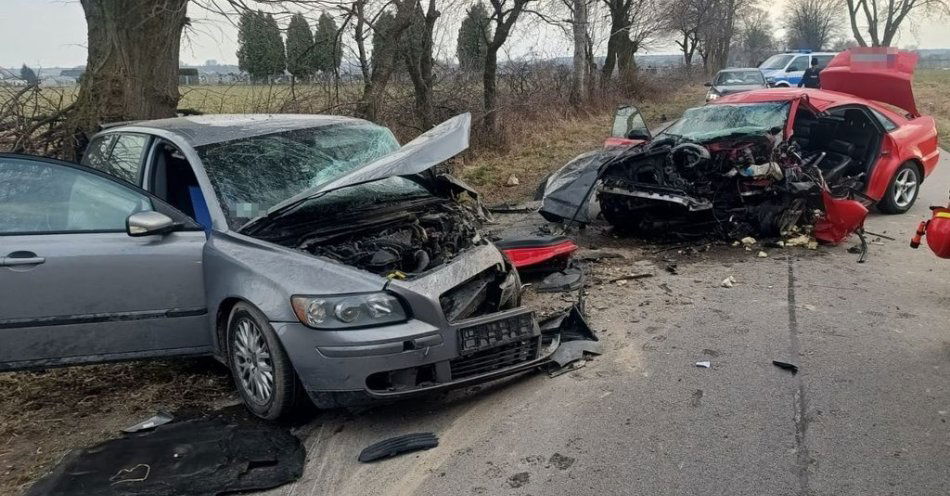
<point>712,121</point>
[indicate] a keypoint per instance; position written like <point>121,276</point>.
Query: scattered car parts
<point>398,445</point>
<point>198,457</point>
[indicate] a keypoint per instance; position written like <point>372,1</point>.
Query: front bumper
<point>413,357</point>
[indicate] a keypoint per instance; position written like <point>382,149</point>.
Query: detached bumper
<point>357,366</point>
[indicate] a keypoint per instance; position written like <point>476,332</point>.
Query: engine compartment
<point>736,186</point>
<point>406,243</point>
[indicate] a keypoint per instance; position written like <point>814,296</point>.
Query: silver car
<point>308,253</point>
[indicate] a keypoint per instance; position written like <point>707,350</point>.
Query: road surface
<point>867,414</point>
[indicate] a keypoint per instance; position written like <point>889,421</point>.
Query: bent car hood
<point>873,73</point>
<point>429,149</point>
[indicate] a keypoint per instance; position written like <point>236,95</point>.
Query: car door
<point>796,69</point>
<point>76,287</point>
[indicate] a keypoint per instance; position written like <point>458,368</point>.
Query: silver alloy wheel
<point>252,360</point>
<point>905,187</point>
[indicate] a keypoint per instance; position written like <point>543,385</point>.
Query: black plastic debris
<point>786,366</point>
<point>160,418</point>
<point>569,279</point>
<point>203,457</point>
<point>398,445</point>
<point>577,338</point>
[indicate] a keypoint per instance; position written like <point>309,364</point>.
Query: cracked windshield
<point>480,248</point>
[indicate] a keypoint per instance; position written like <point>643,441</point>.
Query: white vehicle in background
<point>785,70</point>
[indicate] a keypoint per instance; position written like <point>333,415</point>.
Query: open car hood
<point>874,73</point>
<point>429,149</point>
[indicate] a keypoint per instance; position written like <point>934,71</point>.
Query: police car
<point>786,69</point>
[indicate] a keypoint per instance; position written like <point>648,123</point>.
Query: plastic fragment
<point>398,445</point>
<point>728,282</point>
<point>786,366</point>
<point>704,364</point>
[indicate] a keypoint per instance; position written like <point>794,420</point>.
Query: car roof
<point>756,69</point>
<point>198,130</point>
<point>820,99</point>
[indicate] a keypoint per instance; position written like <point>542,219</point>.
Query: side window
<point>98,152</point>
<point>119,155</point>
<point>39,197</point>
<point>800,63</point>
<point>888,124</point>
<point>823,60</point>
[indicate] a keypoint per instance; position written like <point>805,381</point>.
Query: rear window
<point>823,60</point>
<point>776,62</point>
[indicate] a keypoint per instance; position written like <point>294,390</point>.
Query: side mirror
<point>149,223</point>
<point>707,84</point>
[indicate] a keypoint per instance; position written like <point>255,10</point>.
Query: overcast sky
<point>52,33</point>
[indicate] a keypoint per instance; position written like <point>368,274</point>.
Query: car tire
<point>262,373</point>
<point>902,191</point>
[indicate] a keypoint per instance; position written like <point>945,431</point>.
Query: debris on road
<point>786,366</point>
<point>160,418</point>
<point>747,241</point>
<point>762,254</point>
<point>398,445</point>
<point>728,282</point>
<point>515,208</point>
<point>627,277</point>
<point>539,252</point>
<point>704,364</point>
<point>194,457</point>
<point>570,279</point>
<point>593,255</point>
<point>577,339</point>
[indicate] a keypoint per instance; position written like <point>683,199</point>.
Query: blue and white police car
<point>786,69</point>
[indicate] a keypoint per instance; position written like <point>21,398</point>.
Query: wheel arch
<point>221,325</point>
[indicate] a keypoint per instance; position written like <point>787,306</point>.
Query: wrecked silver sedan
<point>309,253</point>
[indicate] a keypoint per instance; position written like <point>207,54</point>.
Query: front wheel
<point>902,191</point>
<point>263,374</point>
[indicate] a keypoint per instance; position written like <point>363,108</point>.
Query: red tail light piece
<point>524,257</point>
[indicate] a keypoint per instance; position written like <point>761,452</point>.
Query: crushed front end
<point>735,186</point>
<point>462,297</point>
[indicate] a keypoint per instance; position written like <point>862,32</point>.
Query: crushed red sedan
<point>767,162</point>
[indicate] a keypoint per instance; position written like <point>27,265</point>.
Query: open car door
<point>882,74</point>
<point>629,128</point>
<point>93,269</point>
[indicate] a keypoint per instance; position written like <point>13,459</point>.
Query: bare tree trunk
<point>132,65</point>
<point>490,92</point>
<point>504,18</point>
<point>619,47</point>
<point>419,65</point>
<point>374,88</point>
<point>579,76</point>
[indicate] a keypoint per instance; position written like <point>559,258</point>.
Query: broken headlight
<point>355,310</point>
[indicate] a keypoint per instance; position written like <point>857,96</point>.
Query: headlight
<point>340,312</point>
<point>711,96</point>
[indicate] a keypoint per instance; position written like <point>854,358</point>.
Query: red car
<point>872,92</point>
<point>762,162</point>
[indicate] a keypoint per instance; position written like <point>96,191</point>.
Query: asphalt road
<point>866,415</point>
